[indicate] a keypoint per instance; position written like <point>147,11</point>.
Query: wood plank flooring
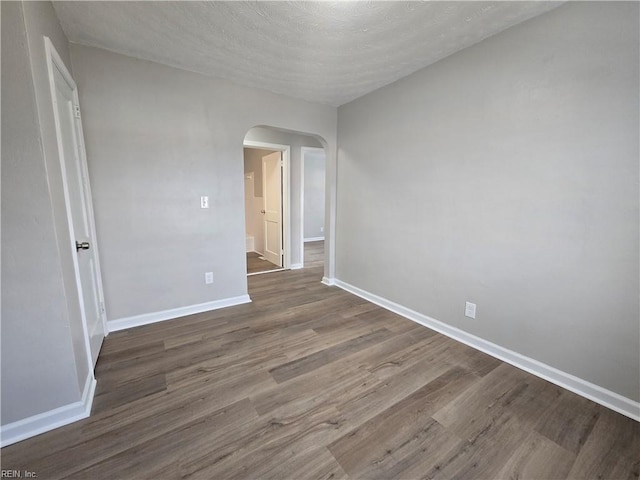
<point>313,257</point>
<point>256,263</point>
<point>308,381</point>
<point>314,254</point>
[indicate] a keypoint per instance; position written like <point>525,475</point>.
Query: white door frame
<point>54,59</point>
<point>272,164</point>
<point>286,200</point>
<point>303,152</point>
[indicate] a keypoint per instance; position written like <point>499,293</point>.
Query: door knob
<point>262,211</point>
<point>82,246</point>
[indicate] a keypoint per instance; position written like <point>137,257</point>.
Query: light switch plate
<point>204,202</point>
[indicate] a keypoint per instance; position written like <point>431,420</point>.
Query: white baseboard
<point>43,422</point>
<point>313,239</point>
<point>331,282</point>
<point>296,266</point>
<point>147,318</point>
<point>607,398</point>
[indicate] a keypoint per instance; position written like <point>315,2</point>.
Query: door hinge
<point>76,111</point>
<point>102,307</point>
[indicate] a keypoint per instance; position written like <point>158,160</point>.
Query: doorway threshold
<point>266,271</point>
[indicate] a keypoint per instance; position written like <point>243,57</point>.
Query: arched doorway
<point>263,147</point>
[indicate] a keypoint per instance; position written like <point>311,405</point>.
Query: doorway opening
<point>259,142</point>
<point>313,174</point>
<point>266,200</point>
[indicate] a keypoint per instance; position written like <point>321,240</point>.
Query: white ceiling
<point>327,52</point>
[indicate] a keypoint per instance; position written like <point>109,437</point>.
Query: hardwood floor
<point>313,257</point>
<point>308,381</point>
<point>256,263</point>
<point>314,254</point>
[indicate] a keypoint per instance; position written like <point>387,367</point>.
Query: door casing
<point>286,198</point>
<point>272,207</point>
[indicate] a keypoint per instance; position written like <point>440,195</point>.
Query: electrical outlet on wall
<point>470,310</point>
<point>321,229</point>
<point>208,278</point>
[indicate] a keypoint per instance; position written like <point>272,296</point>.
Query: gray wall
<point>314,187</point>
<point>43,367</point>
<point>507,175</point>
<point>157,139</point>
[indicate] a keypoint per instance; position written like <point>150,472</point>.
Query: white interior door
<point>78,200</point>
<point>272,211</point>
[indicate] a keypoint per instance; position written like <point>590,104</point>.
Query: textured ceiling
<point>328,52</point>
